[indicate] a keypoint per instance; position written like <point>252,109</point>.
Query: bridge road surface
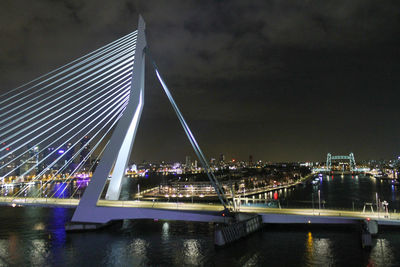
<point>389,219</point>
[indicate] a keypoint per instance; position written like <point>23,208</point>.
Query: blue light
<point>61,151</point>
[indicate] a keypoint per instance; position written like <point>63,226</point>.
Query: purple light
<point>61,151</point>
<point>82,181</point>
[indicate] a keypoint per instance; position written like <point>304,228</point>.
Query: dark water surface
<point>34,236</point>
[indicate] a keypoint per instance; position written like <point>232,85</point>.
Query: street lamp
<point>319,199</point>
<point>312,201</point>
<point>138,189</point>
<point>192,192</point>
<point>386,204</point>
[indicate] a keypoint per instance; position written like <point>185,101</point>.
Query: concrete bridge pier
<point>244,225</point>
<point>368,229</point>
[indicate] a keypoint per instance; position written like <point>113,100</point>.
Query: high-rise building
<point>250,161</point>
<point>188,163</point>
<point>28,161</point>
<point>68,157</point>
<point>69,151</point>
<point>6,161</point>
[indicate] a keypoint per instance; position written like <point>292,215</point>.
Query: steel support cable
<point>77,153</point>
<point>99,116</point>
<point>120,103</point>
<point>30,126</point>
<point>117,106</point>
<point>128,52</point>
<point>130,48</point>
<point>65,134</point>
<point>121,107</point>
<point>126,61</point>
<point>48,122</point>
<point>82,60</point>
<point>91,114</point>
<point>44,100</point>
<point>97,108</point>
<point>188,131</point>
<point>192,140</point>
<point>97,51</point>
<point>127,49</point>
<point>118,114</point>
<point>99,104</point>
<point>60,122</point>
<point>69,179</point>
<point>61,102</point>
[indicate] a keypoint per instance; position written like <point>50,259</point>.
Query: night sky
<point>279,80</point>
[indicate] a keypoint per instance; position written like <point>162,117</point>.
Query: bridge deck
<point>270,215</point>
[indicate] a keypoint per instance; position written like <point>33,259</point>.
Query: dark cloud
<point>282,80</point>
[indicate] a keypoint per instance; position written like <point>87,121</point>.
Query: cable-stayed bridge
<point>52,127</point>
<point>82,118</point>
<point>351,163</point>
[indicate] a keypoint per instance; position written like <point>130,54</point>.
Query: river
<point>33,236</point>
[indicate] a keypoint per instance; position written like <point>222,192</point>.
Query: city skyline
<point>282,88</point>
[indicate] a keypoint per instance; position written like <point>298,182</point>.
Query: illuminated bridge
<point>52,127</point>
<point>211,212</point>
<point>329,167</point>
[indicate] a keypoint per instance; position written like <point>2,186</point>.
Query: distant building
<point>250,160</point>
<point>212,161</point>
<point>29,161</point>
<point>221,158</point>
<point>188,163</point>
<point>6,156</point>
<point>133,168</point>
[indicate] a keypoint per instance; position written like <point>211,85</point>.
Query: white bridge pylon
<point>117,153</point>
<point>118,149</point>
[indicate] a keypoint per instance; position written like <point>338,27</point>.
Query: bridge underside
<point>106,214</point>
<point>307,219</point>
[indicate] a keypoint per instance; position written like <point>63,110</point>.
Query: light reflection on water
<point>309,248</point>
<point>318,251</point>
<point>36,237</point>
<point>150,243</point>
<point>165,231</point>
<point>192,252</point>
<point>38,252</point>
<point>4,252</point>
<point>254,260</point>
<point>382,253</point>
<point>341,192</point>
<point>138,247</point>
